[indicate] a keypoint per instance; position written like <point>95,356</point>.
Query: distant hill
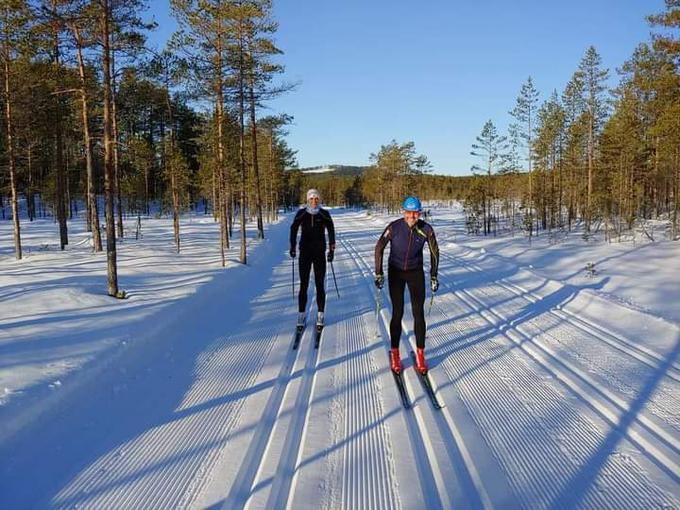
<point>335,169</point>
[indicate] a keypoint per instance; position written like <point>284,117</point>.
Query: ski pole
<point>292,267</point>
<point>430,307</point>
<point>334,280</point>
<point>378,306</point>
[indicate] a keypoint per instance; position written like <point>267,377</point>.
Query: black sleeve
<point>331,230</point>
<point>385,238</point>
<point>434,252</point>
<point>294,227</point>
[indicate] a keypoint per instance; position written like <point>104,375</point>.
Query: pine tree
<point>522,134</point>
<point>80,21</point>
<point>593,77</point>
<point>205,38</point>
<point>575,136</point>
<point>666,43</point>
<point>260,49</point>
<point>16,31</point>
<point>492,149</point>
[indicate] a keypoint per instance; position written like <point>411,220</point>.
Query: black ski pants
<point>397,280</point>
<point>317,258</point>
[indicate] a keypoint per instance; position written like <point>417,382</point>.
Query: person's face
<point>313,201</point>
<point>411,217</point>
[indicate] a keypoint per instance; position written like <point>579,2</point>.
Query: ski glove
<point>379,280</point>
<point>292,253</point>
<point>331,256</point>
<point>434,283</point>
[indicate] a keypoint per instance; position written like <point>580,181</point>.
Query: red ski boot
<point>395,361</point>
<point>421,365</point>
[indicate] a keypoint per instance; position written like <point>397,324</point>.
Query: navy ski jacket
<point>406,252</point>
<point>312,237</point>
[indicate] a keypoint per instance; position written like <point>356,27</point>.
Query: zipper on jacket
<point>408,248</point>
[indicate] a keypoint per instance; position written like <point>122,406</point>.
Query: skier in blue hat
<point>408,236</point>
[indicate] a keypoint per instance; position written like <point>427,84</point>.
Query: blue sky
<point>431,72</point>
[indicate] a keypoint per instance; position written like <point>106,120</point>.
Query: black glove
<point>330,256</point>
<point>434,283</point>
<point>292,253</point>
<point>379,280</point>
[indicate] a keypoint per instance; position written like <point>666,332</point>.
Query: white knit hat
<point>313,193</point>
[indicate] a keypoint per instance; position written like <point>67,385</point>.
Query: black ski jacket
<point>313,237</point>
<point>406,252</point>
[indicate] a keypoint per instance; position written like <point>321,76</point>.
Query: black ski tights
<point>415,279</point>
<point>306,261</point>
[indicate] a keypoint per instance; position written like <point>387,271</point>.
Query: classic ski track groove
<point>528,464</point>
<point>420,446</point>
<point>663,403</point>
<point>367,471</point>
<point>254,457</point>
<point>172,486</point>
<point>617,341</point>
<point>282,484</point>
<point>607,406</point>
<point>423,416</point>
<point>610,406</point>
<point>549,443</point>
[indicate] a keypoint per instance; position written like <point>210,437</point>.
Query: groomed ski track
<point>544,406</point>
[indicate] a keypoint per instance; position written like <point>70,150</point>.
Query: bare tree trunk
<point>92,208</point>
<point>116,167</point>
<point>676,194</point>
<point>271,215</point>
<point>241,137</point>
<point>109,176</point>
<point>60,174</point>
<point>223,194</point>
<point>175,208</point>
<point>215,195</point>
<point>30,196</point>
<point>11,156</point>
<point>256,170</point>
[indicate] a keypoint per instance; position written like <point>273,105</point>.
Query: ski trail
<point>446,467</point>
<point>129,476</point>
<point>283,479</point>
<point>167,464</point>
<point>600,397</point>
<point>240,489</point>
<point>563,434</point>
<point>614,365</point>
<point>151,428</point>
<point>546,436</point>
<point>347,459</point>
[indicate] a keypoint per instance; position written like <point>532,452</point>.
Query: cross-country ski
<point>401,388</point>
<point>317,336</point>
<point>427,385</point>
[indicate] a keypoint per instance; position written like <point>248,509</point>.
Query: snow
<point>560,388</point>
<point>323,170</point>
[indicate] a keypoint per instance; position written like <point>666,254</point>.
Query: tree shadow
<point>576,489</point>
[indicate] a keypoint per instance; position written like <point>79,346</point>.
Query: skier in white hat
<point>313,221</point>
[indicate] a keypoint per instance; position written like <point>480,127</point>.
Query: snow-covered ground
<point>561,390</point>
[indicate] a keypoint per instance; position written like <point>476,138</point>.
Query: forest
<point>96,122</point>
